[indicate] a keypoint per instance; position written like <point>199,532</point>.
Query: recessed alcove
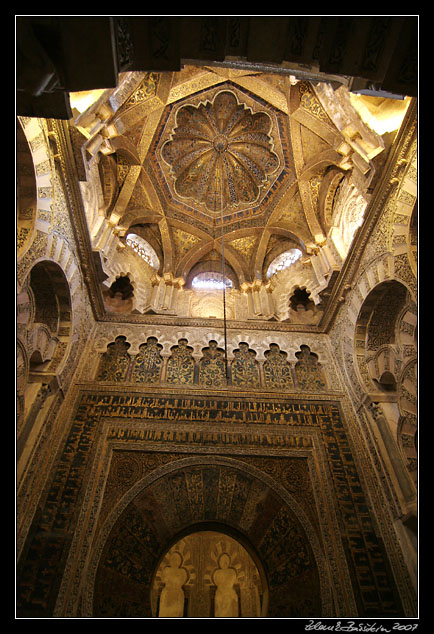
<point>208,574</point>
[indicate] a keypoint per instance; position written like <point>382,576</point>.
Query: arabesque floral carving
<point>220,153</point>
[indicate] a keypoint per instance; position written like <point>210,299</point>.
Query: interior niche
<point>207,574</point>
<point>301,300</point>
<point>119,297</point>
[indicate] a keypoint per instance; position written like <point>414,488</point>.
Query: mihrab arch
<point>214,494</point>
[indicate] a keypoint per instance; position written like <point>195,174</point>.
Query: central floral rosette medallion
<point>220,153</point>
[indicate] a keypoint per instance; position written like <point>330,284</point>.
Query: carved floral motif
<point>212,366</point>
<point>148,363</point>
<point>245,369</point>
<point>180,365</point>
<point>220,153</point>
<point>277,371</point>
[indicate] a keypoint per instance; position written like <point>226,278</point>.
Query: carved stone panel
<point>148,363</point>
<point>115,362</point>
<point>245,368</point>
<point>277,370</point>
<point>212,366</point>
<point>180,365</point>
<point>308,373</point>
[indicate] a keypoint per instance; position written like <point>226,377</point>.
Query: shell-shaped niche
<point>220,153</point>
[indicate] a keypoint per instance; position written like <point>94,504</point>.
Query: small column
<point>164,292</point>
<point>163,375</point>
<point>392,456</point>
<point>259,299</point>
<point>38,412</point>
<point>262,382</point>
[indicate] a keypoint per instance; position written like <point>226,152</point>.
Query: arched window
<point>283,261</point>
<point>210,280</point>
<point>144,249</point>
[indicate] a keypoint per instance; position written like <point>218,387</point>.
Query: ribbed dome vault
<point>220,153</point>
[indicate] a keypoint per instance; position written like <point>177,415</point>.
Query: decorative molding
<point>64,157</point>
<point>385,188</point>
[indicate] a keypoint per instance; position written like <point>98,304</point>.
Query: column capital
<point>168,279</point>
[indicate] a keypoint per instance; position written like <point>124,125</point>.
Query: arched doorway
<point>385,350</point>
<point>44,309</point>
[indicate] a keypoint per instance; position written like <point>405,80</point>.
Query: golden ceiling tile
<point>183,242</point>
<point>122,170</point>
<point>245,245</point>
<point>125,194</point>
<point>134,133</point>
<point>315,184</point>
<point>148,132</point>
<point>290,213</point>
<point>143,101</point>
<point>312,144</point>
<point>310,102</point>
<point>146,90</point>
<point>310,211</point>
<point>269,92</point>
<point>191,81</point>
<point>139,199</point>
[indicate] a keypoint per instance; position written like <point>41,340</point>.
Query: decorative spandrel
<point>115,361</point>
<point>180,365</point>
<point>220,153</point>
<point>244,367</point>
<point>212,368</point>
<point>148,363</point>
<point>307,370</point>
<point>277,370</point>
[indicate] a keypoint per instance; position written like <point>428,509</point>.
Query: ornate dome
<point>220,153</point>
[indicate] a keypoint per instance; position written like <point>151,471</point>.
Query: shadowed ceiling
<point>238,159</point>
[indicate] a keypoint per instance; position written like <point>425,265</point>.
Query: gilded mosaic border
<point>58,516</point>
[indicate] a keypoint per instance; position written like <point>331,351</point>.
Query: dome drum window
<point>284,261</point>
<point>211,281</point>
<point>142,248</point>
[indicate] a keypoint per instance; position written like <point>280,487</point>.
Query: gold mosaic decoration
<point>220,153</point>
<point>212,371</point>
<point>183,242</point>
<point>148,363</point>
<point>115,362</point>
<point>315,184</point>
<point>146,89</point>
<point>277,370</point>
<point>307,370</point>
<point>309,102</point>
<point>180,365</point>
<point>244,367</point>
<point>245,245</point>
